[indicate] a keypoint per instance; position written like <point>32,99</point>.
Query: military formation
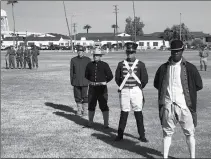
<point>177,82</point>
<point>22,57</point>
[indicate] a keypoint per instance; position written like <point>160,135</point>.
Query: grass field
<point>37,114</point>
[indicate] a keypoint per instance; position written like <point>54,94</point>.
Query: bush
<point>197,43</point>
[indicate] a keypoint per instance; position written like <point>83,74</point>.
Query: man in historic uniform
<point>99,74</point>
<point>203,54</point>
<point>11,53</point>
<point>131,77</point>
<point>35,52</point>
<point>19,57</point>
<point>7,59</point>
<point>177,82</point>
<point>27,57</point>
<point>78,81</point>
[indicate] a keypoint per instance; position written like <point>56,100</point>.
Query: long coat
<point>77,71</point>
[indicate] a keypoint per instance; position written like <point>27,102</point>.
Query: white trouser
<point>131,97</point>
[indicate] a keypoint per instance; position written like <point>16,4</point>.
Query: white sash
<point>130,72</point>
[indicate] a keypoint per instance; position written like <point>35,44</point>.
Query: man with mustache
<point>177,82</point>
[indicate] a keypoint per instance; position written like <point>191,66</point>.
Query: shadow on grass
<point>129,145</point>
<point>109,134</point>
<point>60,107</point>
<point>80,120</point>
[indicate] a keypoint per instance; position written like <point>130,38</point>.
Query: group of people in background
<point>22,56</point>
<point>177,82</point>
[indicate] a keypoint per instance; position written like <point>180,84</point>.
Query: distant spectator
<point>203,54</point>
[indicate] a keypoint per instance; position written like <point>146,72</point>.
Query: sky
<point>48,16</point>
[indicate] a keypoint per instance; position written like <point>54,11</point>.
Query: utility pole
<point>74,30</point>
<point>70,35</point>
<point>180,28</point>
<point>26,39</point>
<point>115,11</point>
<point>134,22</point>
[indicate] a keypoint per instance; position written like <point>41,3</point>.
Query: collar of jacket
<point>80,57</point>
<point>131,60</point>
<point>182,62</point>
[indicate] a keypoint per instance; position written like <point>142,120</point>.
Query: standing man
<point>11,53</point>
<point>203,53</point>
<point>19,57</point>
<point>99,74</point>
<point>131,77</point>
<point>27,57</point>
<point>35,52</point>
<point>177,82</point>
<point>78,81</point>
<point>7,59</point>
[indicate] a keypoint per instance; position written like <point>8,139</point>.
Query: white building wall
<point>7,43</point>
<point>84,42</point>
<point>160,43</point>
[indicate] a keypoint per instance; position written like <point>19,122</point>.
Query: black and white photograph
<point>105,79</point>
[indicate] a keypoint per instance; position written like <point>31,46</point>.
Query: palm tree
<point>114,27</point>
<point>13,2</point>
<point>87,27</point>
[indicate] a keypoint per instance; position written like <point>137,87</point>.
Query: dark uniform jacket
<point>35,52</point>
<point>191,82</point>
<point>204,53</point>
<point>77,71</point>
<point>140,72</point>
<point>11,52</point>
<point>19,53</point>
<point>98,72</point>
<point>27,53</point>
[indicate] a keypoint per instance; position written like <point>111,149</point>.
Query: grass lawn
<point>37,114</point>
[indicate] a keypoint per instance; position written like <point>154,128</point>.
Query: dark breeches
<point>100,94</point>
<point>80,94</point>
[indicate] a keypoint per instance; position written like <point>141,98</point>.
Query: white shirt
<point>174,91</point>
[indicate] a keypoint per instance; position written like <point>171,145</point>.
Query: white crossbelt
<point>130,72</point>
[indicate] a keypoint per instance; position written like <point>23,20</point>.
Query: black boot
<point>122,125</point>
<point>205,67</point>
<point>201,67</point>
<point>140,126</point>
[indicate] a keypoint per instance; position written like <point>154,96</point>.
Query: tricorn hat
<point>176,45</point>
<point>131,47</point>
